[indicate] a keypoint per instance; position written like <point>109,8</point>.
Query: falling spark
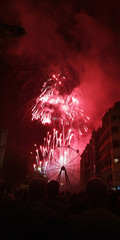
<point>46,152</point>
<point>51,105</point>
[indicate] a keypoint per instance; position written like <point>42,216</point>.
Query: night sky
<point>83,36</point>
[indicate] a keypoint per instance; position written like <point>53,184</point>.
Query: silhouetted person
<point>29,219</point>
<point>97,218</point>
<point>96,193</point>
<point>37,189</point>
<point>53,199</point>
<point>57,225</point>
<point>52,189</point>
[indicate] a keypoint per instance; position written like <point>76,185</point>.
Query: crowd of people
<point>41,210</point>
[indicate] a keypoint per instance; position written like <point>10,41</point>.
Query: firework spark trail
<point>51,105</point>
<point>59,105</point>
<point>57,161</point>
<point>46,152</point>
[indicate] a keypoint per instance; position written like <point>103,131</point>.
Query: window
<point>111,177</point>
<point>114,130</point>
<point>117,175</point>
<point>116,144</point>
<point>116,160</point>
<point>113,117</point>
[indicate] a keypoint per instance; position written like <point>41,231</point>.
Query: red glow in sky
<point>82,36</point>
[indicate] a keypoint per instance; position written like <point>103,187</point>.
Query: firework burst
<point>57,158</point>
<point>51,105</point>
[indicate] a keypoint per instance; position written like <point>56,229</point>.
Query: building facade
<point>101,156</point>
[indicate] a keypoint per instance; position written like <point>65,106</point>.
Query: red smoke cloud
<point>84,36</point>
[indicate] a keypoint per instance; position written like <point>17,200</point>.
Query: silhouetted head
<point>8,201</point>
<point>37,188</point>
<point>52,188</point>
<point>96,193</point>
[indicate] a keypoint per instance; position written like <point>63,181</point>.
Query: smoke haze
<point>81,35</point>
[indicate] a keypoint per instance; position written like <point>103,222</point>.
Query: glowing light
<point>116,160</point>
<point>52,105</point>
<point>34,166</point>
<point>51,142</point>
